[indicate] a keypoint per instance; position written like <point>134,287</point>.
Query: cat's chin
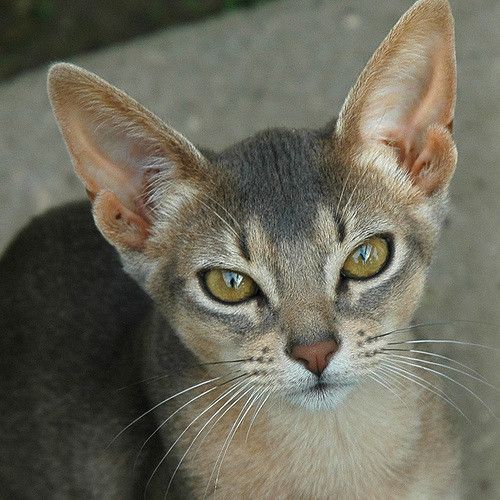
<point>320,397</point>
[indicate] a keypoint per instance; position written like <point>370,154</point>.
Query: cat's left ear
<point>402,105</point>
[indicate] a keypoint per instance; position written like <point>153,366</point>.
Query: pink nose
<point>315,356</point>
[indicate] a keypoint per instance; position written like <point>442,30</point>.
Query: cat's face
<point>292,252</point>
<point>283,210</point>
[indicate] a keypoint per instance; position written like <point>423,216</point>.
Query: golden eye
<point>367,259</point>
<point>230,286</point>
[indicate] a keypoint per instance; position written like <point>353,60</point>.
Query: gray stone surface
<point>291,63</point>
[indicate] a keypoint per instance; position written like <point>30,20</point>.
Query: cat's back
<point>61,283</point>
<point>67,319</point>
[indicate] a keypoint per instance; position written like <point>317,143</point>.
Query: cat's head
<point>293,249</point>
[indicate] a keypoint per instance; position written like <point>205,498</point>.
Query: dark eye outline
<point>390,253</point>
<point>203,284</point>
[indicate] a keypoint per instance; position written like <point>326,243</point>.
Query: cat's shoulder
<point>62,252</point>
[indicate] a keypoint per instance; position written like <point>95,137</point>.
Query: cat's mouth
<point>322,387</point>
<point>321,394</point>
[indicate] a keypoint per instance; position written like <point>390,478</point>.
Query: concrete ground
<point>291,63</point>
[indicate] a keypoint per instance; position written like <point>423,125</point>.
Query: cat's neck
<point>373,431</point>
<point>366,448</point>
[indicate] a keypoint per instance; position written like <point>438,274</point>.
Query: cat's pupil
<point>232,279</point>
<point>363,253</point>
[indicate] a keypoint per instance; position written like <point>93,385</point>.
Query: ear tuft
<point>405,94</point>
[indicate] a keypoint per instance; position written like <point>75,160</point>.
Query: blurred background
<point>219,70</point>
<point>33,32</point>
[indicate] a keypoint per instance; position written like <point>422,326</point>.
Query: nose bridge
<point>310,336</point>
<point>306,320</point>
<point>306,313</point>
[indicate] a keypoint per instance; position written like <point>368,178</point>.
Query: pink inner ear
<point>409,152</point>
<point>406,126</point>
<point>414,104</point>
<point>112,160</point>
<point>121,226</point>
<point>432,162</point>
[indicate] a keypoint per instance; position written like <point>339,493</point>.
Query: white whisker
<point>413,358</point>
<point>379,380</point>
<point>440,356</point>
<point>224,221</point>
<point>344,185</point>
<point>361,177</point>
<point>433,323</point>
<point>451,379</point>
<point>394,379</point>
<point>216,462</point>
<point>425,384</point>
<point>168,418</point>
<point>257,412</point>
<point>239,419</point>
<point>442,341</point>
<point>231,389</point>
<point>217,420</point>
<point>159,404</point>
<point>204,427</point>
<point>223,208</point>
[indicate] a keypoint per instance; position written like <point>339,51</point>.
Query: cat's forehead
<point>292,186</point>
<point>275,178</point>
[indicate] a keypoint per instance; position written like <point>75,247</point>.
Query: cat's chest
<point>301,459</point>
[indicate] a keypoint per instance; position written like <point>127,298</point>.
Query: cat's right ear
<point>399,114</point>
<point>121,152</point>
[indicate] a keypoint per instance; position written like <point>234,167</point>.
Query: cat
<point>222,332</point>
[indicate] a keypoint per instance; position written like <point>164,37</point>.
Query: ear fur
<point>402,105</point>
<point>119,150</point>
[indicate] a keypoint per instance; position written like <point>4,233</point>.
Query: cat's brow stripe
<point>341,230</point>
<point>243,245</point>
